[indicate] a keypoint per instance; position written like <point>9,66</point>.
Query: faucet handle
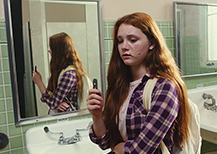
<point>209,97</point>
<point>84,129</point>
<point>46,129</point>
<point>89,125</point>
<point>61,139</point>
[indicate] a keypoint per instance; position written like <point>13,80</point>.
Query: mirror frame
<point>177,51</point>
<point>14,83</point>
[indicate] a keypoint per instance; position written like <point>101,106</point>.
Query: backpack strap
<point>70,67</point>
<point>146,97</point>
<point>87,84</point>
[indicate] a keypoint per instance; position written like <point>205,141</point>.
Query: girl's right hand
<point>63,106</point>
<point>95,106</point>
<point>95,103</point>
<point>36,77</point>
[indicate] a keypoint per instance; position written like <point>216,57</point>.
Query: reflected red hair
<point>64,53</point>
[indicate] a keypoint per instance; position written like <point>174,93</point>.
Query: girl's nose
<point>125,46</point>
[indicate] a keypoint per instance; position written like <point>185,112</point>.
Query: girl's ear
<point>152,47</point>
<point>152,44</point>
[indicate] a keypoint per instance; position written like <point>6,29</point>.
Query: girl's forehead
<point>128,30</point>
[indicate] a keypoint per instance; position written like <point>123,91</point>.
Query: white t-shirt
<point>123,110</point>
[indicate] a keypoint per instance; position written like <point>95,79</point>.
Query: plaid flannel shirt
<point>146,130</point>
<point>67,87</point>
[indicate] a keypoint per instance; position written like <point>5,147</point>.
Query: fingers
<point>94,99</point>
<point>35,73</point>
<point>94,105</point>
<point>95,91</point>
<point>36,77</point>
<point>95,102</point>
<point>63,106</point>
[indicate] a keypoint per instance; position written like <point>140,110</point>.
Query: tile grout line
<point>6,113</point>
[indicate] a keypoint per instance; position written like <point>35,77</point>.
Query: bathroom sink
<point>208,118</point>
<point>39,142</point>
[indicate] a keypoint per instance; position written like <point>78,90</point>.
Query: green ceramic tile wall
<point>17,134</point>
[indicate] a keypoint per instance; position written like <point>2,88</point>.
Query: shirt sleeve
<point>163,112</point>
<point>67,80</point>
<point>101,141</point>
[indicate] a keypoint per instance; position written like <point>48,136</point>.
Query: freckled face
<point>133,45</point>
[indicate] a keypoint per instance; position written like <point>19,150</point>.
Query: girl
<point>65,83</point>
<point>140,53</point>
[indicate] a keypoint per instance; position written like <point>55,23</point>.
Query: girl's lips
<point>126,56</point>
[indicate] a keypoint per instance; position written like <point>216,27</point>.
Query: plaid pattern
<point>67,87</point>
<point>146,130</point>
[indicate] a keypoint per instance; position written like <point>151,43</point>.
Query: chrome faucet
<point>62,140</point>
<point>69,140</point>
<point>209,106</point>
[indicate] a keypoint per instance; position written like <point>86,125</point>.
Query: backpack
<point>193,144</point>
<point>87,84</point>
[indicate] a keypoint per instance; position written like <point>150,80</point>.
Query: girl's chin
<point>128,63</point>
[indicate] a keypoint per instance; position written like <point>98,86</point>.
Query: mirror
<point>195,27</point>
<point>29,24</point>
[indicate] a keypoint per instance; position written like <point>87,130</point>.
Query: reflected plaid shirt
<point>146,130</point>
<point>67,87</point>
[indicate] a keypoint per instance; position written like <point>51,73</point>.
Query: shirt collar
<point>147,76</point>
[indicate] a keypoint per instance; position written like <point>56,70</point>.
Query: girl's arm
<point>95,106</point>
<point>98,132</point>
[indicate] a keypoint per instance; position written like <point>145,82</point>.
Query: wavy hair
<point>63,54</point>
<point>159,62</point>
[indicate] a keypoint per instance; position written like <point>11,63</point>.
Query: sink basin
<point>39,142</point>
<point>208,118</point>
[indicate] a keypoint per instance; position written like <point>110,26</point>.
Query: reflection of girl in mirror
<point>140,53</point>
<point>65,83</point>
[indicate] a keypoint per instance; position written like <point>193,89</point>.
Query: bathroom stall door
<point>29,93</point>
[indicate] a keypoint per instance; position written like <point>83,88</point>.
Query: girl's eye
<point>133,40</point>
<point>120,41</point>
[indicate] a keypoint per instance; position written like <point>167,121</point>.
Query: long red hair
<point>64,53</point>
<point>159,62</point>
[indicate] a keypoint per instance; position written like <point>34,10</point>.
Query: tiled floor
<point>208,148</point>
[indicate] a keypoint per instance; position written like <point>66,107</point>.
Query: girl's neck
<point>138,72</point>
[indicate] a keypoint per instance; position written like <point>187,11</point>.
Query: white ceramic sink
<point>39,142</point>
<point>208,122</point>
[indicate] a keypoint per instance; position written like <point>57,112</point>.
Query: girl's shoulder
<point>68,69</point>
<point>161,81</point>
<point>164,85</point>
<point>68,72</point>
